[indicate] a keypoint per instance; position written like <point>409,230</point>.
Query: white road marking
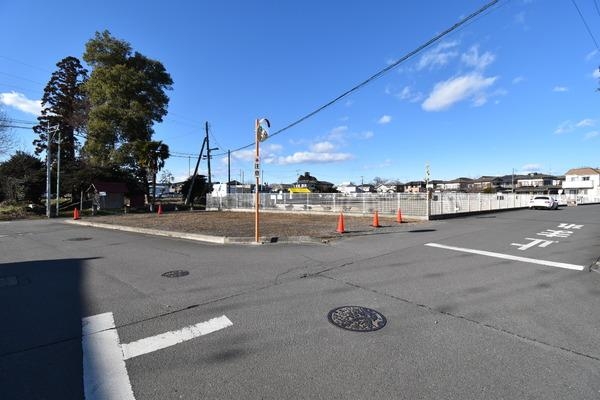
<point>104,373</point>
<point>509,257</point>
<point>534,242</point>
<point>153,343</point>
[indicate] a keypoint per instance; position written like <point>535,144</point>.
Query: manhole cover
<point>176,274</point>
<point>78,239</point>
<point>358,319</point>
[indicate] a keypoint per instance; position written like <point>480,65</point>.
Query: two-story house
<point>582,182</point>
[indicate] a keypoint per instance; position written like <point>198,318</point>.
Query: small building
<point>114,195</point>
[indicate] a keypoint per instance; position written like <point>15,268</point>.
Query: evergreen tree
<point>64,109</point>
<point>22,177</point>
<point>126,91</point>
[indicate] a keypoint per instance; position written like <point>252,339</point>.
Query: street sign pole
<point>260,135</point>
<point>256,195</point>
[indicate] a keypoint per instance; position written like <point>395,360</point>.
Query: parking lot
<point>493,306</point>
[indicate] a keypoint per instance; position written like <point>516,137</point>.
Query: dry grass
<point>241,224</point>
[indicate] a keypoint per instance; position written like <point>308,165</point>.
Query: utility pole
<point>228,169</point>
<point>208,149</point>
<point>189,194</point>
<point>58,177</point>
<point>208,157</point>
<point>49,170</point>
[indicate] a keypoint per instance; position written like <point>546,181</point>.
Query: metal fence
<point>411,204</point>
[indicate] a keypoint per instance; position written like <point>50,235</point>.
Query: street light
<point>260,135</point>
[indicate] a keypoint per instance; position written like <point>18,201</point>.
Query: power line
<point>14,126</point>
<point>585,23</point>
<point>380,73</point>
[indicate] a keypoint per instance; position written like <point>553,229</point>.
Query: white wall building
<point>582,183</point>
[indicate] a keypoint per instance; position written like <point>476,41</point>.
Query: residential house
<point>348,188</point>
<point>367,188</point>
<point>457,185</point>
<point>582,182</point>
<point>538,183</point>
<point>488,184</point>
<point>386,188</point>
<point>311,183</point>
<point>415,187</point>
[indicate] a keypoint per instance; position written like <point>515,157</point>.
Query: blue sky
<point>513,89</point>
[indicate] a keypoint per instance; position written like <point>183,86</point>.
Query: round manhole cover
<point>358,319</point>
<point>79,239</point>
<point>176,274</point>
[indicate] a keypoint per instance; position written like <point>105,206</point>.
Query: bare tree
<point>7,140</point>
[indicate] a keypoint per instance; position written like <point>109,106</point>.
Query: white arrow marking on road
<point>105,375</point>
<point>510,257</point>
<point>153,343</point>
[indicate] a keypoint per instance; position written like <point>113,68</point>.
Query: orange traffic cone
<point>399,217</point>
<point>376,220</point>
<point>160,209</point>
<point>340,225</point>
<point>75,213</point>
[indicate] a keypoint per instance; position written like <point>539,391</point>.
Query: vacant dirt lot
<point>241,224</point>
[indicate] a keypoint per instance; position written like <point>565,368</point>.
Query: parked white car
<point>546,202</point>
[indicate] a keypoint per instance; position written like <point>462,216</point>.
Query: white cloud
<point>591,55</point>
<point>591,135</point>
<point>533,167</point>
<point>313,157</point>
<point>322,147</point>
<point>596,73</point>
<point>518,80</point>
<point>568,126</point>
<point>366,135</point>
<point>273,147</point>
<point>385,119</point>
<point>408,94</point>
<point>338,133</point>
<point>439,56</point>
<point>585,122</point>
<point>560,89</point>
<point>473,59</point>
<point>445,94</point>
<point>21,103</point>
<point>244,155</point>
<point>564,127</point>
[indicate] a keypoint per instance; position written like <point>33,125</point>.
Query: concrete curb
<point>154,232</point>
<point>199,237</point>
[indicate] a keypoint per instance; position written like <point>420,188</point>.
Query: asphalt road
<point>498,306</point>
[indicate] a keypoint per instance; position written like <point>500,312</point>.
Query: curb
<point>199,237</point>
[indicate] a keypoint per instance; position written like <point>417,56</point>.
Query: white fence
<point>411,204</point>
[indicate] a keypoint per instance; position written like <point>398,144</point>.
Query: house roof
<point>583,171</point>
<point>460,180</point>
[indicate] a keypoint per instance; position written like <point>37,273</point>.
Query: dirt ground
<point>241,224</point>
